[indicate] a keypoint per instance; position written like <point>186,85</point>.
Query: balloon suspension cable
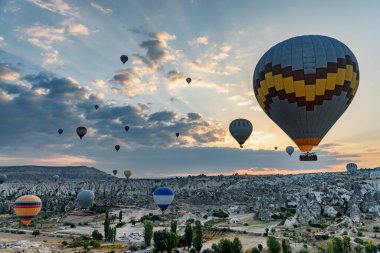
<point>241,145</point>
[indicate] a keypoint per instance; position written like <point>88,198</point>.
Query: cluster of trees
<point>169,240</point>
<point>109,232</point>
<point>227,246</point>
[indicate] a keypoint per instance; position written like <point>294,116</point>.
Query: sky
<point>59,58</point>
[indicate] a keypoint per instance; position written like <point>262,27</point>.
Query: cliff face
<point>312,195</point>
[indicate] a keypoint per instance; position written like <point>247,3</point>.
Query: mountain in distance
<point>33,173</point>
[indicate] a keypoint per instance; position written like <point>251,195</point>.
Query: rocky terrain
<point>309,197</point>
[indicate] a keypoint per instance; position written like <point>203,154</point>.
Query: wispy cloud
<point>8,72</point>
<point>56,6</point>
<point>100,8</point>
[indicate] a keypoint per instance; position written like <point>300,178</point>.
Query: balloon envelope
<point>3,178</point>
<point>96,107</point>
<point>81,131</point>
<point>188,80</point>
<point>127,174</point>
<point>85,198</point>
<point>60,131</point>
<point>177,134</point>
<point>124,59</point>
<point>117,147</point>
<point>126,128</point>
<point>163,197</point>
<point>304,84</point>
<point>289,150</point>
<point>27,207</point>
<point>352,168</point>
<point>241,129</point>
<point>55,177</point>
<point>114,172</point>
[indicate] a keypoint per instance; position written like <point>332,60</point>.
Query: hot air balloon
<point>3,178</point>
<point>177,134</point>
<point>289,150</point>
<point>96,107</point>
<point>188,80</point>
<point>114,172</point>
<point>55,177</point>
<point>124,58</point>
<point>81,131</point>
<point>241,129</point>
<point>60,131</point>
<point>275,148</point>
<point>163,197</point>
<point>127,174</point>
<point>304,84</point>
<point>126,128</point>
<point>27,207</point>
<point>117,147</point>
<point>352,168</point>
<point>85,199</point>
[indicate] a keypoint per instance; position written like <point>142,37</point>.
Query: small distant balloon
<point>114,172</point>
<point>241,129</point>
<point>81,131</point>
<point>3,178</point>
<point>117,147</point>
<point>289,150</point>
<point>127,174</point>
<point>275,148</point>
<point>126,128</point>
<point>60,131</point>
<point>55,177</point>
<point>188,80</point>
<point>124,58</point>
<point>177,134</point>
<point>96,107</point>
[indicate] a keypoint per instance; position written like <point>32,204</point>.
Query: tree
<point>120,216</point>
<point>266,231</point>
<point>304,250</point>
<point>159,241</point>
<point>36,232</point>
<point>335,245</point>
<point>106,227</point>
<point>192,250</point>
<point>370,247</point>
<point>171,240</point>
<point>225,246</point>
<point>358,248</point>
<point>286,246</point>
<point>148,232</point>
<point>188,237</point>
<point>96,235</point>
<point>255,250</point>
<point>173,226</point>
<point>260,247</point>
<point>273,245</point>
<point>236,246</point>
<point>346,244</point>
<point>197,241</point>
<point>273,230</point>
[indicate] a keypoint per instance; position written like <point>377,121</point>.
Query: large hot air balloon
<point>124,58</point>
<point>85,199</point>
<point>126,128</point>
<point>241,129</point>
<point>56,177</point>
<point>352,168</point>
<point>177,134</point>
<point>3,178</point>
<point>304,84</point>
<point>163,197</point>
<point>96,107</point>
<point>127,174</point>
<point>289,150</point>
<point>117,147</point>
<point>81,131</point>
<point>60,131</point>
<point>27,207</point>
<point>188,80</point>
<point>114,172</point>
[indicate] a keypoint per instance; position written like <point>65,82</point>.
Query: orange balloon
<point>27,207</point>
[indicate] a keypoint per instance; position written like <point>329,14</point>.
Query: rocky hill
<point>39,174</point>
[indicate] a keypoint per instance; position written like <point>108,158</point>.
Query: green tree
<point>358,248</point>
<point>255,250</point>
<point>173,226</point>
<point>36,232</point>
<point>197,240</point>
<point>148,232</point>
<point>96,235</point>
<point>335,245</point>
<point>266,231</point>
<point>273,230</point>
<point>304,250</point>
<point>260,247</point>
<point>192,250</point>
<point>286,246</point>
<point>225,246</point>
<point>160,241</point>
<point>236,246</point>
<point>171,240</point>
<point>273,245</point>
<point>120,216</point>
<point>346,241</point>
<point>188,237</point>
<point>106,227</point>
<point>370,247</point>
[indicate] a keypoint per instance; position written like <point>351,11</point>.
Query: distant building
<point>375,173</point>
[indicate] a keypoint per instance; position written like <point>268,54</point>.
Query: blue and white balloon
<point>351,168</point>
<point>163,197</point>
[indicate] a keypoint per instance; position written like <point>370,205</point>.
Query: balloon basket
<point>308,157</point>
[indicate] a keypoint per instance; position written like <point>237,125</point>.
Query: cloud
<point>165,116</point>
<point>100,8</point>
<point>202,40</point>
<point>8,72</point>
<point>100,84</point>
<point>175,75</point>
<point>51,57</point>
<point>2,41</point>
<point>56,6</point>
<point>75,28</point>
